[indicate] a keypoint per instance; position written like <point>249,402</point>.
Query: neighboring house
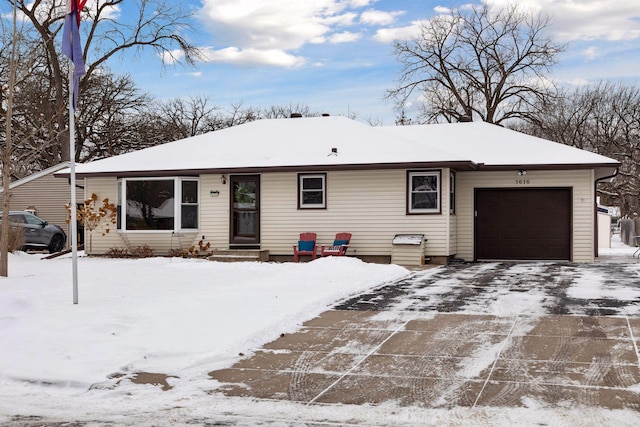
<point>476,191</point>
<point>43,194</point>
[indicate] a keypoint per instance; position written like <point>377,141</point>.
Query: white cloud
<point>44,10</point>
<point>587,19</point>
<point>171,57</point>
<point>379,17</point>
<point>272,30</point>
<point>361,3</point>
<point>388,35</point>
<point>441,10</point>
<point>592,52</point>
<point>577,82</point>
<point>341,20</point>
<point>276,24</point>
<point>344,37</point>
<point>252,57</point>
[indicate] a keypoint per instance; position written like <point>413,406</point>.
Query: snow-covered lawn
<point>185,318</point>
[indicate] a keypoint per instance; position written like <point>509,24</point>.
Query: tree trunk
<point>6,156</point>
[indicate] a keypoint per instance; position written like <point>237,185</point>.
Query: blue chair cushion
<point>306,245</point>
<point>340,242</point>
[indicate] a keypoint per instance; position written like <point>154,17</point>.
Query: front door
<point>245,211</point>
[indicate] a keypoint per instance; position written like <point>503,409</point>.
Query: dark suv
<point>38,233</point>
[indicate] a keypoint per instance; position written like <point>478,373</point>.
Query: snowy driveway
<point>498,336</point>
<point>502,289</point>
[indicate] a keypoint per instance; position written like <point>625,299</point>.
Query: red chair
<point>339,247</point>
<point>306,246</point>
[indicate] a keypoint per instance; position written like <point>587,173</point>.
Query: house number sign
<point>523,181</point>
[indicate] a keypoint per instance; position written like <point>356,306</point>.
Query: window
<point>312,191</point>
<point>189,205</point>
<point>158,204</point>
<point>17,219</point>
<point>424,192</point>
<point>452,192</point>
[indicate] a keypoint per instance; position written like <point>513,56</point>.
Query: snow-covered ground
<point>185,318</point>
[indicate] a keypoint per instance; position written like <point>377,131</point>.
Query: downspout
<point>595,207</point>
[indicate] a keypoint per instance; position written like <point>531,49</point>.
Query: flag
<point>71,45</point>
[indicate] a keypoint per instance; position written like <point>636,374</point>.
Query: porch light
<point>223,179</point>
<point>522,172</point>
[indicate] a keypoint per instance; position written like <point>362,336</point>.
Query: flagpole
<point>72,159</point>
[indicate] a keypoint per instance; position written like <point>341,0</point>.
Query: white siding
<point>580,181</point>
<point>104,188</point>
<point>369,204</point>
<point>214,211</point>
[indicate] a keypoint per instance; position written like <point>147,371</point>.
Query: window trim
<point>431,211</point>
<point>452,192</point>
<point>301,177</point>
<point>177,203</point>
<point>181,204</point>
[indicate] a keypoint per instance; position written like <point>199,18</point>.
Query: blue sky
<point>336,55</point>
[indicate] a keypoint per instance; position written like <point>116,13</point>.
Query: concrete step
<point>239,255</point>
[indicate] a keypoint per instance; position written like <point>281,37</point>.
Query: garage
<point>523,224</point>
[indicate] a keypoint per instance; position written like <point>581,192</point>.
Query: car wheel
<point>57,243</point>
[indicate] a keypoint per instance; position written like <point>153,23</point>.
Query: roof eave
<point>555,166</point>
<point>457,165</point>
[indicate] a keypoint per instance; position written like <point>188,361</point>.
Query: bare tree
<point>158,24</point>
<point>19,65</point>
<point>285,111</point>
<point>183,118</point>
<point>482,62</point>
<point>7,150</point>
<point>110,120</point>
<point>603,118</point>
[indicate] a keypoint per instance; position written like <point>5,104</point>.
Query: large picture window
<point>163,204</point>
<point>423,192</point>
<point>312,191</point>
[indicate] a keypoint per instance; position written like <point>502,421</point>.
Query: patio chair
<point>339,247</point>
<point>306,246</point>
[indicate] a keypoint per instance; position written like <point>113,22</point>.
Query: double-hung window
<point>189,204</point>
<point>158,204</point>
<point>312,191</point>
<point>423,192</point>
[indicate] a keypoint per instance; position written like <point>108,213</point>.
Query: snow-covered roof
<point>333,142</point>
<point>37,175</point>
<point>492,145</point>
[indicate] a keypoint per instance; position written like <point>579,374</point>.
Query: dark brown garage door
<point>523,224</point>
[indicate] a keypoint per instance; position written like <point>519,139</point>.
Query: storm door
<point>245,211</point>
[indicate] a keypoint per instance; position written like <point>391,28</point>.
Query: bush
<point>201,252</point>
<point>16,239</point>
<point>143,251</point>
<point>117,253</point>
<point>179,253</point>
